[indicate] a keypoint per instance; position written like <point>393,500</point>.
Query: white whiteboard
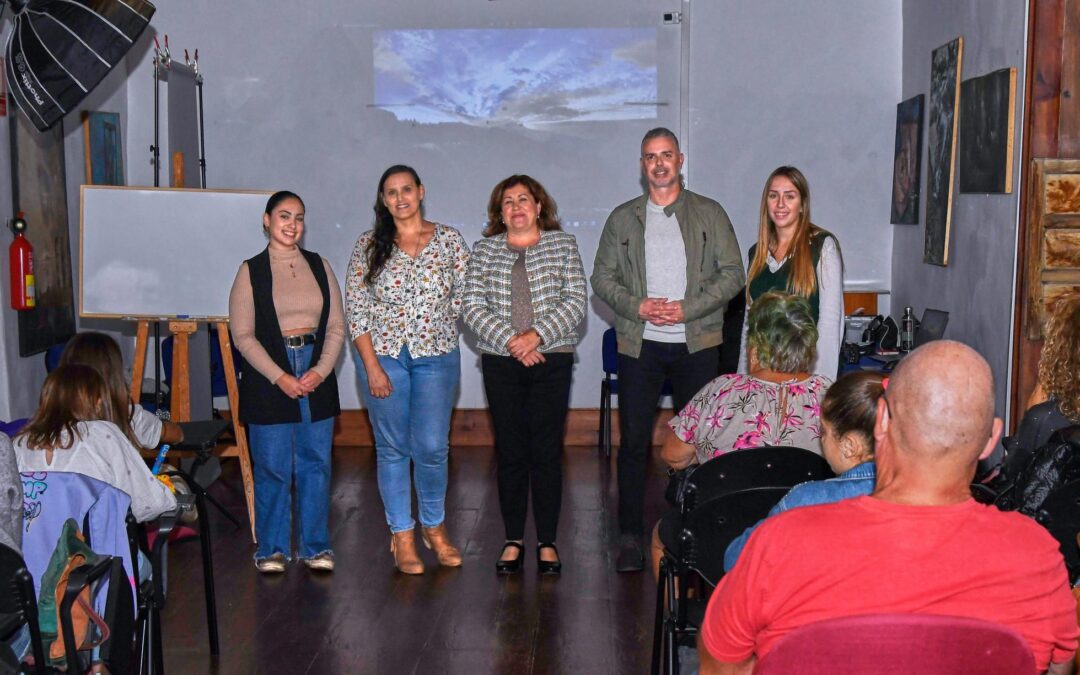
<point>164,252</point>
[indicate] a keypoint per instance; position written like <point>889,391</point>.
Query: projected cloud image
<point>532,77</point>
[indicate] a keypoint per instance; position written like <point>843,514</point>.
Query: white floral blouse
<point>734,412</point>
<point>413,301</point>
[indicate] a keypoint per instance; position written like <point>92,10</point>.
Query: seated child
<point>69,433</point>
<point>100,352</point>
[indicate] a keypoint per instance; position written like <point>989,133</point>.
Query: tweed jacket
<point>556,283</point>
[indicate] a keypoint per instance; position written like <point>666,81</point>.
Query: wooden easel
<point>180,394</point>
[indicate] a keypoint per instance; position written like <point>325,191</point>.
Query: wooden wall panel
<point>1069,103</point>
<point>1062,249</point>
<point>1053,31</point>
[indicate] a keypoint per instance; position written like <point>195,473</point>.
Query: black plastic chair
<point>610,385</point>
<point>150,593</point>
<point>770,466</point>
<point>705,535</point>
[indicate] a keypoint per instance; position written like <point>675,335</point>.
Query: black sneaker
<point>630,557</point>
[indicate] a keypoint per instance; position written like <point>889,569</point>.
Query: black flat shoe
<point>544,566</point>
<point>510,566</point>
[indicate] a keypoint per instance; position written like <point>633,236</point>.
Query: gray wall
<point>813,85</point>
<point>977,286</point>
<point>21,378</point>
<point>769,83</point>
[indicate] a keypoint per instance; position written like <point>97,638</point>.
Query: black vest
<point>779,280</point>
<point>261,401</point>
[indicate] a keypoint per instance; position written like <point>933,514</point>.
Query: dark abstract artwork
<point>986,131</point>
<point>944,94</point>
<point>37,163</point>
<point>907,161</point>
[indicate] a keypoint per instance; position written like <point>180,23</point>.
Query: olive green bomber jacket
<point>714,269</point>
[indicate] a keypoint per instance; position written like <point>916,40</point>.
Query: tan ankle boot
<point>403,546</point>
<point>436,538</point>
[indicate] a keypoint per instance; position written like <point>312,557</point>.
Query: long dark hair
<point>100,352</point>
<point>72,393</point>
<point>382,243</point>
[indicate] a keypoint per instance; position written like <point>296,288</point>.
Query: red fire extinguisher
<point>21,263</point>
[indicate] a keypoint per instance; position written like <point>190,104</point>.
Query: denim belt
<point>298,341</point>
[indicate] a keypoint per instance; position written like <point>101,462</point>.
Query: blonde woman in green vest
<point>792,255</point>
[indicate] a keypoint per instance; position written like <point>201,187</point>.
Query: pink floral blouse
<point>734,412</point>
<point>414,301</point>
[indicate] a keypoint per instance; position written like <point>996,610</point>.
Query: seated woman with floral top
<point>777,403</point>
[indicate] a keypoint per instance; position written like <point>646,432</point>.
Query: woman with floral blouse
<point>777,403</point>
<point>403,298</point>
<point>524,298</point>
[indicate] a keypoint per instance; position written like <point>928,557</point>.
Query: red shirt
<point>867,556</point>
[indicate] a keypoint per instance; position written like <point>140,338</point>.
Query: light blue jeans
<point>412,425</point>
<point>280,454</point>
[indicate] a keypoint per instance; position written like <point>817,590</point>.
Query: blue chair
<point>52,356</point>
<point>9,429</point>
<point>610,385</point>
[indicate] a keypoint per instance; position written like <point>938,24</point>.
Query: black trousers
<point>528,408</point>
<point>640,383</point>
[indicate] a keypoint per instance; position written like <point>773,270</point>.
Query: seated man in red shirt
<point>918,544</point>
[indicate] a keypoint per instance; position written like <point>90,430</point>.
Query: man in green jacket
<point>668,263</point>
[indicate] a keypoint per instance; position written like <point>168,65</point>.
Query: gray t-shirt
<point>665,268</point>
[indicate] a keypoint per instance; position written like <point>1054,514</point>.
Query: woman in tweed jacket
<point>525,295</point>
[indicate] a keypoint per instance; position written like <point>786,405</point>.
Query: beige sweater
<point>298,304</point>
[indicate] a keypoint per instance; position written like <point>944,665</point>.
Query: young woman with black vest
<point>794,256</point>
<point>286,319</point>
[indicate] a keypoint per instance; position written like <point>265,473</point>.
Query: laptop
<point>932,327</point>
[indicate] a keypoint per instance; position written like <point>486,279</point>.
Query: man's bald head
<point>941,403</point>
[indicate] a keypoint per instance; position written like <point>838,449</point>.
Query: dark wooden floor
<point>367,618</point>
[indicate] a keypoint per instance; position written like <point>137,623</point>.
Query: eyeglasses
<point>885,397</point>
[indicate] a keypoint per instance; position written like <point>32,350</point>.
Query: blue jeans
<point>412,425</point>
<point>280,454</point>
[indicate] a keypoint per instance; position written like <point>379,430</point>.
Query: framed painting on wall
<point>907,161</point>
<point>941,164</point>
<point>102,148</point>
<point>40,192</point>
<point>987,119</point>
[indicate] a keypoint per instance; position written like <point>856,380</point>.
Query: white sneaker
<point>275,564</point>
<point>324,562</point>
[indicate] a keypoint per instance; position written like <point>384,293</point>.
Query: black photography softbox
<point>59,50</point>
